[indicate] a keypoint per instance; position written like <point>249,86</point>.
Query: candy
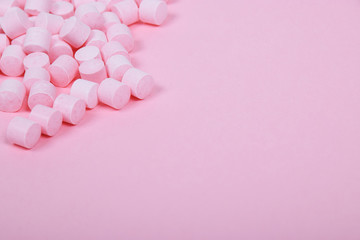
<point>23,132</point>
<point>63,70</point>
<point>35,74</point>
<point>12,93</point>
<point>15,22</point>
<point>48,118</point>
<point>42,92</point>
<point>36,59</point>
<point>74,32</point>
<point>117,65</point>
<point>113,93</point>
<point>87,53</point>
<point>121,33</point>
<point>37,39</point>
<point>87,91</point>
<point>140,83</point>
<point>153,11</point>
<point>11,61</point>
<point>93,70</point>
<point>71,107</point>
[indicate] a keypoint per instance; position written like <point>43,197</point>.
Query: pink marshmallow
<point>114,93</point>
<point>78,3</point>
<point>59,47</point>
<point>43,93</point>
<point>89,14</point>
<point>121,33</point>
<point>113,48</point>
<point>36,59</point>
<point>11,62</point>
<point>48,118</point>
<point>37,39</point>
<point>74,32</point>
<point>15,22</point>
<point>110,19</point>
<point>100,6</point>
<point>93,70</point>
<point>87,53</point>
<point>63,70</point>
<point>62,8</point>
<point>34,7</point>
<point>87,91</point>
<point>71,107</point>
<point>141,83</point>
<point>153,11</point>
<point>35,74</point>
<point>4,42</point>
<point>51,22</point>
<point>6,4</point>
<point>97,38</point>
<point>23,132</point>
<point>117,65</point>
<point>127,11</point>
<point>19,40</point>
<point>12,94</point>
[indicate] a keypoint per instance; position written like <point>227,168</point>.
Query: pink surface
<point>252,132</point>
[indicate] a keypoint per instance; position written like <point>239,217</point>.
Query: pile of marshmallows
<point>38,39</point>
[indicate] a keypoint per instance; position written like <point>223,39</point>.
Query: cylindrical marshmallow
<point>114,93</point>
<point>51,22</point>
<point>87,91</point>
<point>15,22</point>
<point>74,32</point>
<point>127,11</point>
<point>62,8</point>
<point>4,42</point>
<point>6,4</point>
<point>113,48</point>
<point>89,14</point>
<point>153,11</point>
<point>19,40</point>
<point>87,53</point>
<point>93,70</point>
<point>63,70</point>
<point>12,94</point>
<point>141,83</point>
<point>43,93</point>
<point>100,6</point>
<point>23,132</point>
<point>34,7</point>
<point>37,39</point>
<point>117,65</point>
<point>77,3</point>
<point>121,33</point>
<point>110,19</point>
<point>35,74</point>
<point>71,107</point>
<point>11,62</point>
<point>48,118</point>
<point>97,38</point>
<point>59,47</point>
<point>36,59</point>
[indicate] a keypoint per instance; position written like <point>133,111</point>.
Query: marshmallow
<point>12,94</point>
<point>58,48</point>
<point>62,8</point>
<point>19,40</point>
<point>36,59</point>
<point>37,39</point>
<point>6,4</point>
<point>113,93</point>
<point>89,14</point>
<point>11,62</point>
<point>43,93</point>
<point>74,32</point>
<point>110,19</point>
<point>4,42</point>
<point>51,22</point>
<point>23,132</point>
<point>93,70</point>
<point>127,11</point>
<point>34,7</point>
<point>113,48</point>
<point>87,53</point>
<point>35,74</point>
<point>153,11</point>
<point>87,91</point>
<point>117,65</point>
<point>97,38</point>
<point>121,33</point>
<point>15,22</point>
<point>63,70</point>
<point>77,3</point>
<point>141,83</point>
<point>48,118</point>
<point>100,6</point>
<point>71,107</point>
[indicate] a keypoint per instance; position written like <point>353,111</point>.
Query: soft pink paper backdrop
<point>253,132</point>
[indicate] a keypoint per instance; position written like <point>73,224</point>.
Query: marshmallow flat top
<point>23,132</point>
<point>36,59</point>
<point>87,53</point>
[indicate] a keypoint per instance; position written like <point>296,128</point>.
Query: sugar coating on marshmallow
<point>34,74</point>
<point>140,83</point>
<point>71,107</point>
<point>12,94</point>
<point>15,22</point>
<point>74,32</point>
<point>87,53</point>
<point>51,22</point>
<point>36,59</point>
<point>114,93</point>
<point>87,91</point>
<point>48,118</point>
<point>63,70</point>
<point>41,92</point>
<point>23,132</point>
<point>58,48</point>
<point>11,61</point>
<point>153,11</point>
<point>121,33</point>
<point>93,70</point>
<point>127,11</point>
<point>117,65</point>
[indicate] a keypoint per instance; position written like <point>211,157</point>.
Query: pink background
<point>253,132</point>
